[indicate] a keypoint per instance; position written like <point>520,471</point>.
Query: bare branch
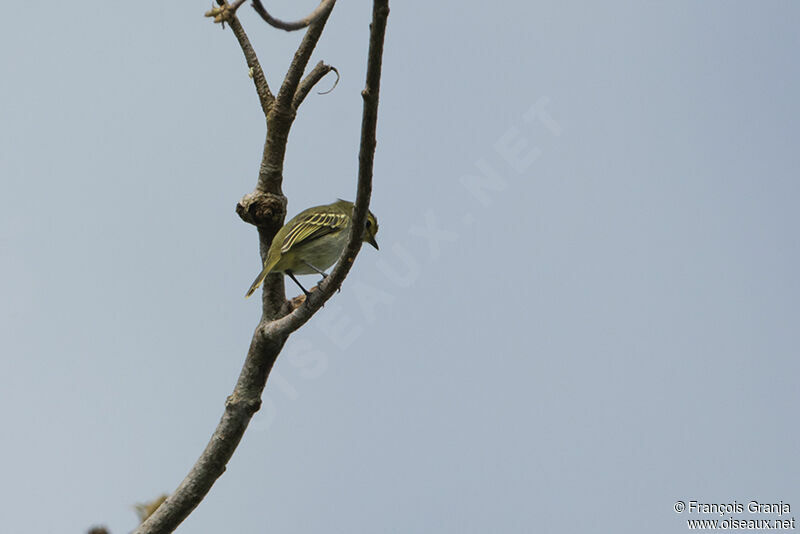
<point>239,409</point>
<point>312,78</point>
<point>292,26</point>
<point>227,13</point>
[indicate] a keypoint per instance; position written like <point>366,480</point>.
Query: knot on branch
<point>262,209</point>
<point>250,406</point>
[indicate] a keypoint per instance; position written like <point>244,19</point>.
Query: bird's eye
<point>369,223</point>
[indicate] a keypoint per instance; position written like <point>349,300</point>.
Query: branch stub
<point>262,209</point>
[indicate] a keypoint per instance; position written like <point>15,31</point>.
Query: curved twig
<point>291,26</point>
<point>312,78</point>
<point>335,83</point>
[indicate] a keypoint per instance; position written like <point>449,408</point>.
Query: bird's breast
<point>321,253</point>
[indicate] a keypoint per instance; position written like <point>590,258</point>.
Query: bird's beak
<point>371,241</point>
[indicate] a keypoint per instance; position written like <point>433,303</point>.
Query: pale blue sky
<point>608,325</point>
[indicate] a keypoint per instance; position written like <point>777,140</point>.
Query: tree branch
<point>239,409</point>
<point>312,78</point>
<point>292,26</point>
<point>227,13</point>
<point>275,326</point>
<point>282,114</point>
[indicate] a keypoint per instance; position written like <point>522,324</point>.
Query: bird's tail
<point>257,282</point>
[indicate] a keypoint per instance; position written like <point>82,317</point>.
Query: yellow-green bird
<point>312,241</point>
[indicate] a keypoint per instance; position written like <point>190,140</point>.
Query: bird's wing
<point>313,227</point>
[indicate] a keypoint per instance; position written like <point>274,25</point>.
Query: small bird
<point>312,241</point>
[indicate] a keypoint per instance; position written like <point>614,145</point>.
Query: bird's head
<point>370,230</point>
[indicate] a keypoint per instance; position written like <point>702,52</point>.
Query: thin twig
<point>227,13</point>
<point>291,26</point>
<point>312,78</point>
